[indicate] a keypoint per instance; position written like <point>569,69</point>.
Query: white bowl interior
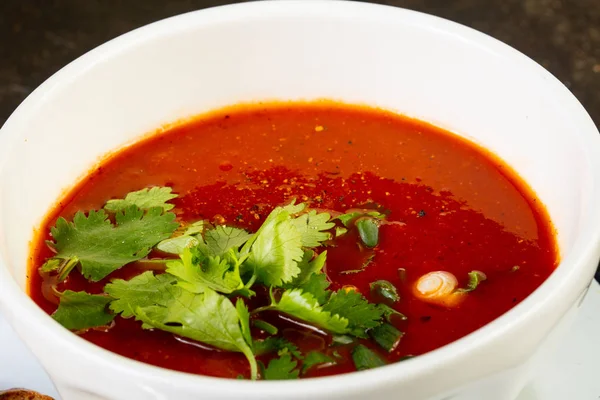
<point>423,67</point>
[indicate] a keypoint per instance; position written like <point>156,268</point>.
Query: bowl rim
<point>588,238</point>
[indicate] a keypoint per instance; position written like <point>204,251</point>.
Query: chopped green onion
<point>368,229</point>
<point>385,289</point>
<point>389,313</point>
<point>265,326</point>
<point>387,336</point>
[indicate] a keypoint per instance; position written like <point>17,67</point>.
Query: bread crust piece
<point>23,394</point>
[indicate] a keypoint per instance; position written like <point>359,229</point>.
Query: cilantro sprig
<point>202,295</point>
<point>207,317</point>
<point>101,246</point>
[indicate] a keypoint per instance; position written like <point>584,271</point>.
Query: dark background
<point>38,37</point>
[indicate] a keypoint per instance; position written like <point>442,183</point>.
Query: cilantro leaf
<point>196,272</point>
<point>346,218</point>
<point>195,227</point>
<point>158,302</point>
<point>276,344</point>
<point>208,317</point>
<point>101,247</point>
<point>81,310</point>
<point>315,358</point>
<point>317,285</point>
<point>275,249</point>
<point>305,307</point>
<point>340,231</point>
<point>143,290</point>
<point>309,266</point>
<point>222,238</point>
<point>244,316</point>
<point>144,199</point>
<point>191,237</point>
<point>265,346</point>
<point>177,244</point>
<point>52,264</point>
<point>294,209</point>
<point>312,227</point>
<point>365,358</point>
<point>354,308</point>
<point>281,368</point>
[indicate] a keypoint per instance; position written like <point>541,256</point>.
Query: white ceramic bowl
<point>412,63</point>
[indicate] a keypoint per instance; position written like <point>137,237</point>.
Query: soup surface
<point>395,200</point>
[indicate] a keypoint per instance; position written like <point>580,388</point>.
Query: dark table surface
<point>37,37</point>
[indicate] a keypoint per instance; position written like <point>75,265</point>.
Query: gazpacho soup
<point>290,240</point>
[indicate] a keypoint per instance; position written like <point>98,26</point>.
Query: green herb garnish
<point>145,199</point>
<point>386,290</point>
<point>305,307</point>
<point>265,326</point>
<point>275,250</point>
<point>313,227</point>
<point>365,358</point>
<point>276,345</point>
<point>197,270</point>
<point>80,310</point>
<point>314,358</point>
<point>387,336</point>
<point>207,317</point>
<point>317,285</point>
<point>340,231</point>
<point>142,291</point>
<point>101,247</point>
<point>352,306</point>
<point>342,339</point>
<point>368,229</point>
<point>475,278</point>
<point>348,218</point>
<point>190,238</point>
<point>202,294</point>
<point>283,367</point>
<point>389,313</point>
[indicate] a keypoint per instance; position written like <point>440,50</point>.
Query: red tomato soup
<point>431,201</point>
